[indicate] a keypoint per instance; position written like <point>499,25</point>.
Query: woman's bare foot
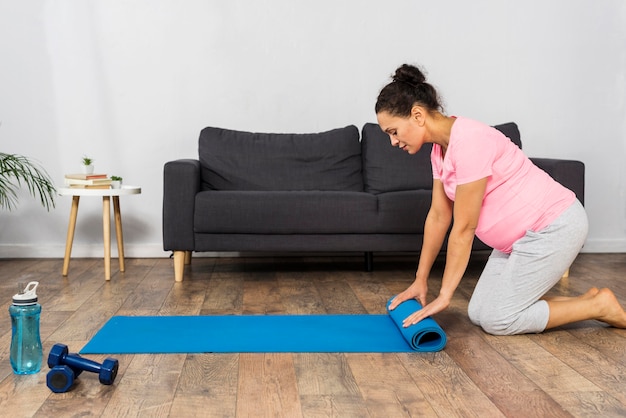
<point>601,305</point>
<point>590,293</point>
<point>611,311</point>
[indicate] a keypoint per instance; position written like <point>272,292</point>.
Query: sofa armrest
<point>569,173</point>
<point>181,183</point>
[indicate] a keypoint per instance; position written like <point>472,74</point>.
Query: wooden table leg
<point>70,234</point>
<point>118,231</point>
<point>106,229</point>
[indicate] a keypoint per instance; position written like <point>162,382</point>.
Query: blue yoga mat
<point>268,334</point>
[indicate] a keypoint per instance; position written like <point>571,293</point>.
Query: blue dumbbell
<point>60,379</point>
<point>60,356</point>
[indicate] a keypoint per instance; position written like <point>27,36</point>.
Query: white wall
<point>131,83</point>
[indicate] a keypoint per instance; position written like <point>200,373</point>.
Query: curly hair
<point>408,88</point>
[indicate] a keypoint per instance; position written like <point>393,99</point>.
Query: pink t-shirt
<point>519,196</point>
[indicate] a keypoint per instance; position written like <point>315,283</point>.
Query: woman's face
<point>404,132</point>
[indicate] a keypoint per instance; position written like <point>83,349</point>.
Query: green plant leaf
<point>17,171</point>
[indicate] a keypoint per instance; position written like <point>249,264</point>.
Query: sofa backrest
<point>388,169</point>
<point>236,160</point>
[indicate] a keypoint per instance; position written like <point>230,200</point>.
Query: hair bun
<point>408,88</point>
<point>409,74</point>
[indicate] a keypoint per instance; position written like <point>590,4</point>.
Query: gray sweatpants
<point>506,298</point>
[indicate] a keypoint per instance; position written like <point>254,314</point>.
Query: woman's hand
<point>434,307</point>
<point>417,290</point>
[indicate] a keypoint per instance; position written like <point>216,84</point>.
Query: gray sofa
<point>334,191</point>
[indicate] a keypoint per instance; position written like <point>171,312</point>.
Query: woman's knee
<point>473,311</point>
<point>489,320</point>
<point>528,321</point>
<point>497,327</point>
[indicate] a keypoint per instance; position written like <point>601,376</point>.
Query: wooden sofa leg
<point>187,258</point>
<point>566,274</point>
<point>179,265</point>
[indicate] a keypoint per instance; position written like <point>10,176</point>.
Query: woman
<point>485,183</point>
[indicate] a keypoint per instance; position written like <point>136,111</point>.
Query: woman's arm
<point>467,206</point>
<point>435,229</point>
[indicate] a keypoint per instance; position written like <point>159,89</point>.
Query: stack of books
<point>87,181</point>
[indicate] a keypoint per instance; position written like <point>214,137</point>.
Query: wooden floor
<point>576,371</point>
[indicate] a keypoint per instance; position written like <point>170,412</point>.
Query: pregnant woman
<point>492,190</point>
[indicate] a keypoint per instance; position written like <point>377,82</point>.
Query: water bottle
<point>26,351</point>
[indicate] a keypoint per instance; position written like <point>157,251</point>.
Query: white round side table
<point>106,195</point>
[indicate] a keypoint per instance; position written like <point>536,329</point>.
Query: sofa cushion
<point>284,212</point>
<point>236,160</point>
<point>403,212</point>
<point>388,169</point>
<point>254,212</point>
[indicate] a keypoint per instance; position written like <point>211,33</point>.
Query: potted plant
<point>116,182</point>
<point>87,165</point>
<point>16,171</point>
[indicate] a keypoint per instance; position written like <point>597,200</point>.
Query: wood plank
<point>22,396</point>
<point>200,268</point>
<point>387,387</point>
<point>224,294</point>
<point>446,387</point>
<point>151,289</point>
<point>184,299</point>
<point>604,372</point>
<point>98,308</point>
<point>326,385</point>
<point>372,294</point>
<point>510,390</point>
<point>564,384</point>
<point>337,294</point>
<point>261,294</point>
<point>333,405</point>
<point>267,386</point>
<point>324,374</point>
<point>610,342</point>
<point>15,270</point>
<point>207,386</point>
<point>147,386</point>
<point>299,295</point>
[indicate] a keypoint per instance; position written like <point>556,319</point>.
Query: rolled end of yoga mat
<point>424,336</point>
